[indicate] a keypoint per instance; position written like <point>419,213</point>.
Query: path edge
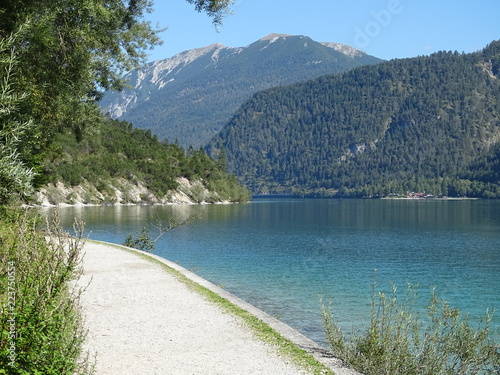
<point>321,355</point>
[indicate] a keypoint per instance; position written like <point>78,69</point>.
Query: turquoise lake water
<point>281,254</point>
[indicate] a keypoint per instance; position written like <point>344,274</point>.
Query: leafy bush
<point>71,174</point>
<point>141,241</point>
<point>399,343</point>
<point>41,330</point>
<point>16,178</point>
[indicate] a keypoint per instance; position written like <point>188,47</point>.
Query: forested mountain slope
<point>190,96</point>
<point>422,124</point>
<point>118,163</point>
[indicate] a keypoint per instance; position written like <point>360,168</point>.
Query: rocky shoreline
<point>122,192</point>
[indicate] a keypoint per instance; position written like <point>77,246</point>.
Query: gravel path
<point>141,320</point>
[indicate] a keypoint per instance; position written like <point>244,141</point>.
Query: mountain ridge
<point>191,95</point>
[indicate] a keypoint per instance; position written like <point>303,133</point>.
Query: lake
<point>282,254</point>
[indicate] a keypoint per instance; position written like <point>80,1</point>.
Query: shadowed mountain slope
<point>190,96</point>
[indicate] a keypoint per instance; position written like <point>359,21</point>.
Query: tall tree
<point>15,177</point>
<point>71,50</point>
<point>68,53</point>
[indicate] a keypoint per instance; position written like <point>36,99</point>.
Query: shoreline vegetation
<point>41,328</point>
<point>123,164</point>
<point>424,198</point>
<point>400,341</point>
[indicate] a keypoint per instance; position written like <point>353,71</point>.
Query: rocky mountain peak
<point>274,36</point>
<point>345,49</point>
<point>181,60</point>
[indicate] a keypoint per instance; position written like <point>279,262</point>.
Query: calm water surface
<point>281,254</point>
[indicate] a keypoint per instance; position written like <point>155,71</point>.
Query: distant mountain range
<point>190,96</point>
<point>427,124</point>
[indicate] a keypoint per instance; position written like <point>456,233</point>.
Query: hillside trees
<point>118,152</point>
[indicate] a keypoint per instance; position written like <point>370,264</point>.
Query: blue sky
<point>384,28</point>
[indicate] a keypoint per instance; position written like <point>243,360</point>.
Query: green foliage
<point>141,241</point>
<point>15,176</point>
<point>398,341</point>
<point>216,9</point>
<point>422,124</point>
<point>41,328</point>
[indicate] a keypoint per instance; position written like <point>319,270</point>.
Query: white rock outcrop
<point>122,191</point>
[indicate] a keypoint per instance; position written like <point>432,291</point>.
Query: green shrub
<point>398,342</point>
<point>41,330</point>
<point>141,241</point>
